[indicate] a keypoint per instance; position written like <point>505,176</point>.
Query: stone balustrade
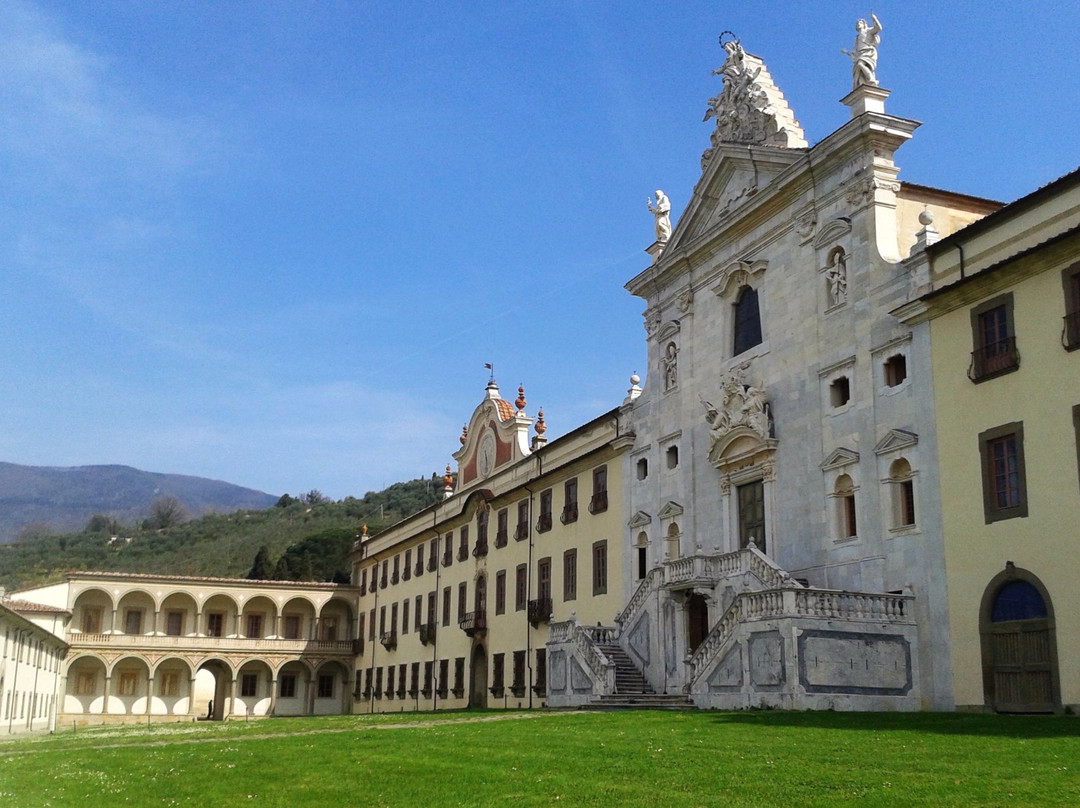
<point>220,644</point>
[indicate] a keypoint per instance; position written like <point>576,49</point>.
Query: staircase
<point>632,691</point>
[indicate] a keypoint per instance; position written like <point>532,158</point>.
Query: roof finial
<point>520,401</point>
<point>448,483</point>
<point>464,434</point>
<point>541,425</point>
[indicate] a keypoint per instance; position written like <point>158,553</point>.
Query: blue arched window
<point>1017,600</point>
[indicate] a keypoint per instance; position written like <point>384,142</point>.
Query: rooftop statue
<point>864,53</point>
<point>750,108</point>
<point>661,210</point>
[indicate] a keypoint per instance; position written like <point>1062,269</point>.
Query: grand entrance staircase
<point>632,692</point>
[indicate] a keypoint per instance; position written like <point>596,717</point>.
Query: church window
<point>839,391</point>
<point>844,495</point>
<point>903,493</point>
<point>672,457</point>
<point>643,468</point>
<point>747,320</point>
<point>895,370</point>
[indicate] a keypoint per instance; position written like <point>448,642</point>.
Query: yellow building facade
<point>1004,321</point>
<point>456,600</point>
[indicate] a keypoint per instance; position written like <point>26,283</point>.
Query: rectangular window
<point>543,579</point>
<point>599,568</point>
<point>249,684</point>
<point>169,683</point>
<point>1070,281</point>
<point>498,665</point>
<point>642,562</point>
<point>414,679</point>
<point>393,618</point>
<point>446,606</point>
<point>570,509</point>
<point>462,600</point>
<point>389,681</point>
<point>599,501</point>
<point>383,583</point>
<point>292,627</point>
<point>397,570</point>
<point>1001,451</point>
<point>401,681</point>
<point>133,621</point>
<point>431,618</point>
<point>287,686</point>
<point>382,620</point>
<point>522,531</point>
<point>540,672</point>
<point>363,582</point>
<point>1076,429</point>
<point>751,500</point>
<point>419,561</point>
<point>85,683</point>
<point>429,667</point>
<point>326,686</point>
<point>994,338</point>
<point>433,555</point>
<point>406,572</point>
<point>518,686</point>
<point>543,523</point>
<point>481,534</point>
<point>254,626</point>
<point>174,623</point>
<point>500,592</point>
<point>328,629</point>
<point>91,620</point>
<point>463,543</point>
<point>378,683</point>
<point>459,677</point>
<point>502,528</point>
<point>521,577</point>
<point>128,682</point>
<point>448,550</point>
<point>569,566</point>
<point>371,625</point>
<point>444,677</point>
<point>215,624</point>
<point>418,614</point>
<point>405,616</point>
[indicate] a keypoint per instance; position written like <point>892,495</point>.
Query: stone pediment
<point>839,458</point>
<point>832,232</point>
<point>639,519</point>
<point>668,330</point>
<point>731,181</point>
<point>896,439</point>
<point>670,510</point>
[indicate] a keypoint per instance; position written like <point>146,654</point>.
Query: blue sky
<point>275,243</point>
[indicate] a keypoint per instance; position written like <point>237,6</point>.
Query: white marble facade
<point>806,437</point>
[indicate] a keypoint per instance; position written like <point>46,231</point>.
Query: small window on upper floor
<point>747,318</point>
<point>994,339</point>
<point>895,370</point>
<point>1070,281</point>
<point>839,391</point>
<point>671,456</point>
<point>643,468</point>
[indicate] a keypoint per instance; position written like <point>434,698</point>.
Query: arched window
<point>903,494</point>
<point>747,320</point>
<point>1017,600</point>
<point>844,492</point>
<point>642,547</point>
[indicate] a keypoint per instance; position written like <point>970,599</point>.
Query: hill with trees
<point>38,500</point>
<point>304,538</point>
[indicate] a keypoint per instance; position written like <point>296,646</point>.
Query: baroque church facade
<point>783,515</point>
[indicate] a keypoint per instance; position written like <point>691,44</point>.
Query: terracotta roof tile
<point>27,606</point>
<point>506,409</point>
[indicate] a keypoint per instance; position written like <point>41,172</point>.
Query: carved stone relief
<point>728,674</point>
<point>742,405</point>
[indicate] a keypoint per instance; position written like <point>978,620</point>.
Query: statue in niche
<point>670,361</point>
<point>864,53</point>
<point>836,275</point>
<point>661,210</point>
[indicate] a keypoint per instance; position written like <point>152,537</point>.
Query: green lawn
<point>603,759</point>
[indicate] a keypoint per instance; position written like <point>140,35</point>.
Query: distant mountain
<point>63,499</point>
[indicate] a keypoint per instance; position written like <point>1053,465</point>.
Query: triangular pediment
<point>838,458</point>
<point>896,439</point>
<point>671,509</point>
<point>639,519</point>
<point>731,179</point>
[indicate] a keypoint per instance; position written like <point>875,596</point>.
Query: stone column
<point>108,689</point>
<point>273,694</point>
<point>230,703</point>
<point>192,706</point>
<point>149,693</point>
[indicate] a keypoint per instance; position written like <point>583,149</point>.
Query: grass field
<point>601,759</point>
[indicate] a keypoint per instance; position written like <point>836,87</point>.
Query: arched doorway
<point>213,697</point>
<point>478,681</point>
<point>697,621</point>
<point>1019,651</point>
